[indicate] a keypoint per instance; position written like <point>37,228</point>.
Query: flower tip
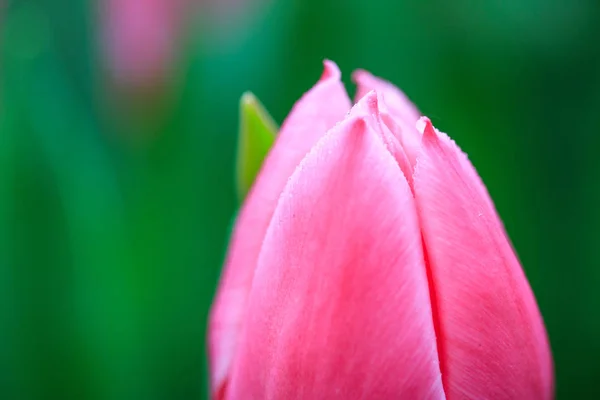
<point>330,71</point>
<point>360,75</point>
<point>372,102</point>
<point>368,105</point>
<point>425,127</point>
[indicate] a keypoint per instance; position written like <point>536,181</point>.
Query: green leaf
<point>256,136</point>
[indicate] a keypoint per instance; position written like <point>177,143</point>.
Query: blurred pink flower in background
<point>140,39</point>
<point>368,261</point>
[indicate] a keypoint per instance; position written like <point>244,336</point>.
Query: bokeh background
<point>118,124</point>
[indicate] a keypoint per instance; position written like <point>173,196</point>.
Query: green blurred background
<point>116,202</point>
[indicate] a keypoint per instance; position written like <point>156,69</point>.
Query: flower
<point>368,261</point>
<point>140,38</point>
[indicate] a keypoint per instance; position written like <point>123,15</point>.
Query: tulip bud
<point>369,262</point>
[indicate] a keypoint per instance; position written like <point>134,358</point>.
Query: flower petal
<point>397,111</point>
<point>491,336</point>
<point>312,116</point>
<point>370,108</point>
<point>339,306</point>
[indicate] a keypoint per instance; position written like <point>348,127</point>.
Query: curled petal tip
<point>358,74</point>
<point>330,71</point>
<point>425,127</point>
<point>371,102</point>
<point>371,97</point>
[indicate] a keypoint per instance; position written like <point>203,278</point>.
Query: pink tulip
<point>140,38</point>
<point>368,262</point>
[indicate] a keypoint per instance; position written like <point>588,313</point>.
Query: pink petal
<point>492,340</point>
<point>370,107</point>
<point>397,111</point>
<point>313,115</point>
<point>397,101</point>
<point>339,306</point>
